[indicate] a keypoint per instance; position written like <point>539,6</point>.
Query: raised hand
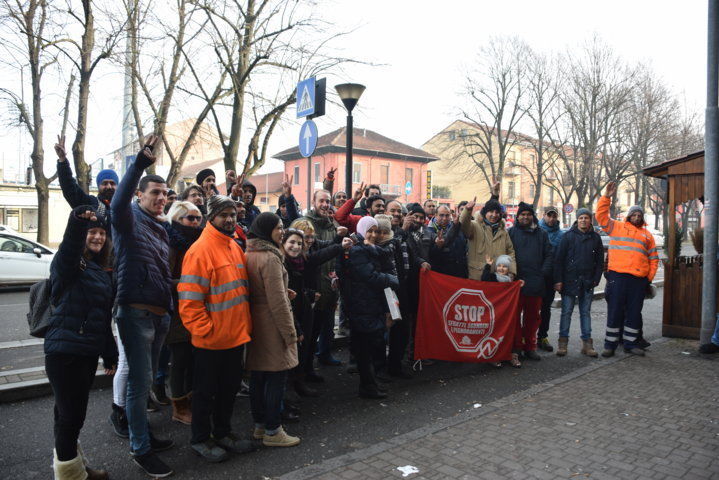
<point>347,243</point>
<point>291,294</point>
<point>470,205</point>
<point>496,186</point>
<point>611,189</point>
<point>358,193</point>
<point>236,191</point>
<point>150,143</point>
<point>60,149</point>
<point>407,223</point>
<point>439,241</point>
<point>331,173</point>
<point>287,186</point>
<point>88,215</point>
<point>489,260</point>
<point>230,177</point>
<point>342,231</point>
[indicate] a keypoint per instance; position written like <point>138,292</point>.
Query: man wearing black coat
<point>579,261</point>
<point>533,253</point>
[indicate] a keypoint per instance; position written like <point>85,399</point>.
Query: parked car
<point>604,236</point>
<point>23,261</point>
<point>658,237</point>
<point>7,229</point>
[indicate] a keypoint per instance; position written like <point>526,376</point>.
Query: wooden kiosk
<point>682,273</point>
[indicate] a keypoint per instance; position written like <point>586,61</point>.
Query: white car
<point>23,261</point>
<point>658,237</point>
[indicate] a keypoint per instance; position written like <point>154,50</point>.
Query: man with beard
<point>324,310</point>
<point>550,224</point>
<point>243,190</point>
<point>375,206</point>
<point>370,191</point>
<point>206,179</point>
<point>633,262</point>
<point>106,180</point>
<point>194,194</point>
<point>448,250</point>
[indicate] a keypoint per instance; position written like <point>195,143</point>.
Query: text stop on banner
<point>464,320</point>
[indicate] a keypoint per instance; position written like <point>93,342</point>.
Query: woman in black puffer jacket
<point>79,333</point>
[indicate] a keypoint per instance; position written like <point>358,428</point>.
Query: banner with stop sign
<point>462,320</point>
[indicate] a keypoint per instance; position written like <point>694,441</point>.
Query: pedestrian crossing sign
<point>306,97</point>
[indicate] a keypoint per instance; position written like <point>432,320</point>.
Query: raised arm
<point>65,265</point>
<point>74,195</point>
<point>121,202</point>
<point>465,219</point>
<point>329,182</point>
<point>603,219</point>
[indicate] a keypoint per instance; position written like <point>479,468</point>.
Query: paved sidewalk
<point>631,418</point>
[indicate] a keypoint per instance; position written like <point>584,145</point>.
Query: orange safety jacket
<point>214,292</point>
<point>631,249</point>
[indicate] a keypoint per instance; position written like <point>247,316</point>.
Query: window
<point>453,135</point>
<point>384,174</point>
<point>531,158</point>
<point>29,220</point>
<point>14,244</point>
<point>532,191</point>
<point>511,190</point>
<point>318,174</point>
<point>408,175</point>
<point>356,173</point>
<point>263,200</point>
<point>296,175</point>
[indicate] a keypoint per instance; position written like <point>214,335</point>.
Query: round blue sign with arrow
<point>408,188</point>
<point>308,138</point>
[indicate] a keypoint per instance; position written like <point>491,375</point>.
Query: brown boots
<point>562,346</point>
<point>588,348</point>
<point>181,411</point>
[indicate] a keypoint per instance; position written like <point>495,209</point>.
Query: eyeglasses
<point>193,218</point>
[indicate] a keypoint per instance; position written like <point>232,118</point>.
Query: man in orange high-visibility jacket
<point>214,307</point>
<point>633,262</point>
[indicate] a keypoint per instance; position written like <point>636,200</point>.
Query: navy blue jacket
<point>363,283</point>
<point>141,246</point>
<point>82,295</point>
<point>534,258</point>
<point>76,196</point>
<point>452,258</point>
<point>578,261</point>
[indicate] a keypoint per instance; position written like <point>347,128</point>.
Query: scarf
<point>297,264</point>
<point>503,278</point>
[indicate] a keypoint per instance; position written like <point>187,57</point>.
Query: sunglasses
<point>193,218</point>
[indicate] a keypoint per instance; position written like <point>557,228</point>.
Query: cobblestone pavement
<point>635,418</point>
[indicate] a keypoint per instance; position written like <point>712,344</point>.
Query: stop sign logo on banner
<point>469,322</point>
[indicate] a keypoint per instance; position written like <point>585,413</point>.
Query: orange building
<point>376,160</point>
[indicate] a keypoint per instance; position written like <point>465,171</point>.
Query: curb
<point>40,387</point>
<point>327,466</point>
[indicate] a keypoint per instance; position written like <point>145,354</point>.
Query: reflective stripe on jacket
<point>213,292</point>
<point>631,249</point>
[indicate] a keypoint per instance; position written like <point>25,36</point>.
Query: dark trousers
<point>71,377</point>
<point>306,349</point>
<point>181,369</point>
<point>625,298</point>
<point>365,347</point>
<point>267,389</point>
<point>547,300</point>
<point>323,330</point>
<point>214,389</point>
<point>398,339</point>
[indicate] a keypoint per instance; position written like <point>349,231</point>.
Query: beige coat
<point>481,242</point>
<point>274,339</point>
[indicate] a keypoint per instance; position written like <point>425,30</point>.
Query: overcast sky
<point>423,46</point>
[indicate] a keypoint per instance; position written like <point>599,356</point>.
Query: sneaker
<point>329,361</point>
<point>258,433</point>
<point>635,351</point>
<point>210,451</point>
<point>545,345</point>
<point>118,419</point>
<point>158,394</point>
<point>152,407</point>
<point>280,439</point>
<point>608,352</point>
<point>709,348</point>
<point>244,389</point>
<point>160,444</point>
<point>532,355</point>
<point>152,465</point>
<point>236,445</point>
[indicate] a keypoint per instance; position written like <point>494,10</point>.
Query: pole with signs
<point>310,104</point>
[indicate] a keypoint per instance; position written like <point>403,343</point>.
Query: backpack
<point>38,318</point>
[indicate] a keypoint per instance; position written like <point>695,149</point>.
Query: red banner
<point>462,320</point>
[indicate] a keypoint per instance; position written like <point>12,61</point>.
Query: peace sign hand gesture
<point>146,157</point>
<point>439,241</point>
<point>331,173</point>
<point>358,193</point>
<point>60,149</point>
<point>287,186</point>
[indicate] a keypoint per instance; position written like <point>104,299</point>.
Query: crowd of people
<point>215,299</point>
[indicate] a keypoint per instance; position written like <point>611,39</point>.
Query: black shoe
<point>118,419</point>
<point>372,392</point>
<point>158,395</point>
<point>290,417</point>
<point>352,368</point>
<point>236,445</point>
<point>544,344</point>
<point>643,344</point>
<point>152,407</point>
<point>210,451</point>
<point>532,355</point>
<point>314,377</point>
<point>635,351</point>
<point>608,352</point>
<point>329,361</point>
<point>244,389</point>
<point>383,377</point>
<point>152,465</point>
<point>709,348</point>
<point>305,390</point>
<point>160,444</point>
<point>401,373</point>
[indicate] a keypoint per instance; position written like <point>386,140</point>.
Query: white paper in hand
<point>392,303</point>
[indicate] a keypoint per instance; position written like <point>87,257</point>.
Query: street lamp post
<point>349,94</point>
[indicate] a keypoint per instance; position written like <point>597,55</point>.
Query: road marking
<point>22,343</point>
<point>16,305</point>
<point>20,371</point>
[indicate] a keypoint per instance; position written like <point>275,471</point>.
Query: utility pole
<point>711,177</point>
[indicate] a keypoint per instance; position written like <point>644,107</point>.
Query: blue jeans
<point>267,390</point>
<point>715,337</point>
<point>585,319</point>
<point>163,366</point>
<point>143,334</point>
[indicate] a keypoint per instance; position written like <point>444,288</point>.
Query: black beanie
<point>263,225</point>
<point>523,207</point>
<point>99,223</point>
<point>416,208</point>
<point>492,205</point>
<point>203,174</point>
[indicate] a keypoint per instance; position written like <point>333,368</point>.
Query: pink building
<point>376,160</point>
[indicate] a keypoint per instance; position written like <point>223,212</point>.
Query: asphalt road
<point>334,424</point>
